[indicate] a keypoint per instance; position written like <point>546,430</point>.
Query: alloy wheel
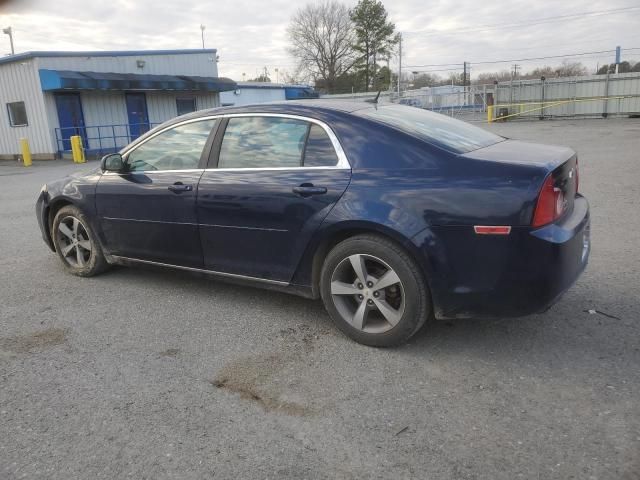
<point>368,293</point>
<point>74,242</point>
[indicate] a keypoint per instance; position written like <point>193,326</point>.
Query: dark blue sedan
<point>390,214</point>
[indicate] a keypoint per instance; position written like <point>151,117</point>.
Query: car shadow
<point>201,284</point>
<point>564,331</point>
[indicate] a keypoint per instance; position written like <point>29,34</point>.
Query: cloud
<point>251,34</point>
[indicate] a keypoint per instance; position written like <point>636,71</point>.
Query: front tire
<point>374,291</point>
<point>76,244</point>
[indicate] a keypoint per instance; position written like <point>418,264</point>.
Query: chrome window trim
<point>343,162</point>
<point>127,150</point>
<point>147,172</point>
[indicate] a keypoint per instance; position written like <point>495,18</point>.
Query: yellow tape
<point>553,103</point>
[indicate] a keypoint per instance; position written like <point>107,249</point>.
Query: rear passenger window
<point>263,142</point>
<point>319,151</point>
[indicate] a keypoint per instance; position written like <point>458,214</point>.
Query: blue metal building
<point>107,97</point>
<point>248,93</point>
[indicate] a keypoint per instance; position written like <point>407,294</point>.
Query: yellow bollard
<point>489,113</point>
<point>26,152</point>
<point>76,149</point>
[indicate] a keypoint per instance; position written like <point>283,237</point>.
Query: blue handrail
<point>100,138</point>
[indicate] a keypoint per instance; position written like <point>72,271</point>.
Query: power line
<point>517,59</point>
<point>538,21</point>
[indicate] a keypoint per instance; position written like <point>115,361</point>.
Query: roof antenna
<point>375,100</point>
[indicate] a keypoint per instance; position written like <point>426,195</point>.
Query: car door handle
<point>308,190</point>
<point>180,187</point>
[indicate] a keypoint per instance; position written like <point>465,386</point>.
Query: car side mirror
<point>112,163</point>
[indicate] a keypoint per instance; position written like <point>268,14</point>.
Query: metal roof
<point>101,53</point>
<point>270,85</point>
<point>56,80</point>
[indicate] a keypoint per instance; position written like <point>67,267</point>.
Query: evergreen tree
<point>374,36</point>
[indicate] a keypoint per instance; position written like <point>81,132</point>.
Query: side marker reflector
<point>492,230</point>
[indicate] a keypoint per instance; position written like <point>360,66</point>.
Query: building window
<point>17,114</point>
<point>185,105</point>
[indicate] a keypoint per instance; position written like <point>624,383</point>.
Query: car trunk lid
<point>559,162</point>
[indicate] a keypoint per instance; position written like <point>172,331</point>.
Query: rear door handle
<point>179,187</point>
<point>308,190</point>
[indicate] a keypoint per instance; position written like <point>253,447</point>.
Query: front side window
<point>263,142</point>
<point>17,114</point>
<point>179,148</point>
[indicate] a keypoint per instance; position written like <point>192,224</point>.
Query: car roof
<point>289,106</point>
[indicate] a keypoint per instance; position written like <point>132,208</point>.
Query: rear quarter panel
<point>428,200</point>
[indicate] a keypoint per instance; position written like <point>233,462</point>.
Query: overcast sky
<point>251,34</point>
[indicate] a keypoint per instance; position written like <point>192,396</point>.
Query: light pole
<point>9,32</point>
<point>399,63</point>
<point>202,27</point>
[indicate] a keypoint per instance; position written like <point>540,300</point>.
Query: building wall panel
<point>19,81</point>
<point>196,64</point>
<point>247,96</point>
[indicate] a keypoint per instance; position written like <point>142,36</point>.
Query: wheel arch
<point>50,212</point>
<point>310,266</point>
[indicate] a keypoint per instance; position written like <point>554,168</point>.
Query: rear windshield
<point>435,128</point>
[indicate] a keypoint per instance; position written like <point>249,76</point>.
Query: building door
<point>137,114</point>
<point>71,119</point>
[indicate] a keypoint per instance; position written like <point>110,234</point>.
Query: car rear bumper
<point>518,274</point>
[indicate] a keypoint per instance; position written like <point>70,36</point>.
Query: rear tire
<point>374,291</point>
<point>76,243</point>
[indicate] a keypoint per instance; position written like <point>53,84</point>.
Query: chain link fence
<point>570,97</point>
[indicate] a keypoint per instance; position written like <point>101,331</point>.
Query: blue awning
<point>55,80</point>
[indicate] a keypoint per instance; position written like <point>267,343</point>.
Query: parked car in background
<point>391,215</point>
<point>410,102</point>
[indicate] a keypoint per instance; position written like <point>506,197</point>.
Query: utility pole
<point>516,67</point>
<point>390,76</point>
<point>202,27</point>
<point>9,31</point>
<point>399,63</point>
<point>464,75</point>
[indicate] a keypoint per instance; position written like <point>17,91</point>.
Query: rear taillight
<point>550,205</point>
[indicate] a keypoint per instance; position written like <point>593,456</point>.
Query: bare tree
<point>571,69</point>
<point>322,38</point>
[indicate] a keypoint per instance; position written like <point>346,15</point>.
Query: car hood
<point>523,153</point>
<point>90,173</point>
<point>74,185</point>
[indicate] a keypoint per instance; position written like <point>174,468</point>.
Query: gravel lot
<point>146,374</point>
